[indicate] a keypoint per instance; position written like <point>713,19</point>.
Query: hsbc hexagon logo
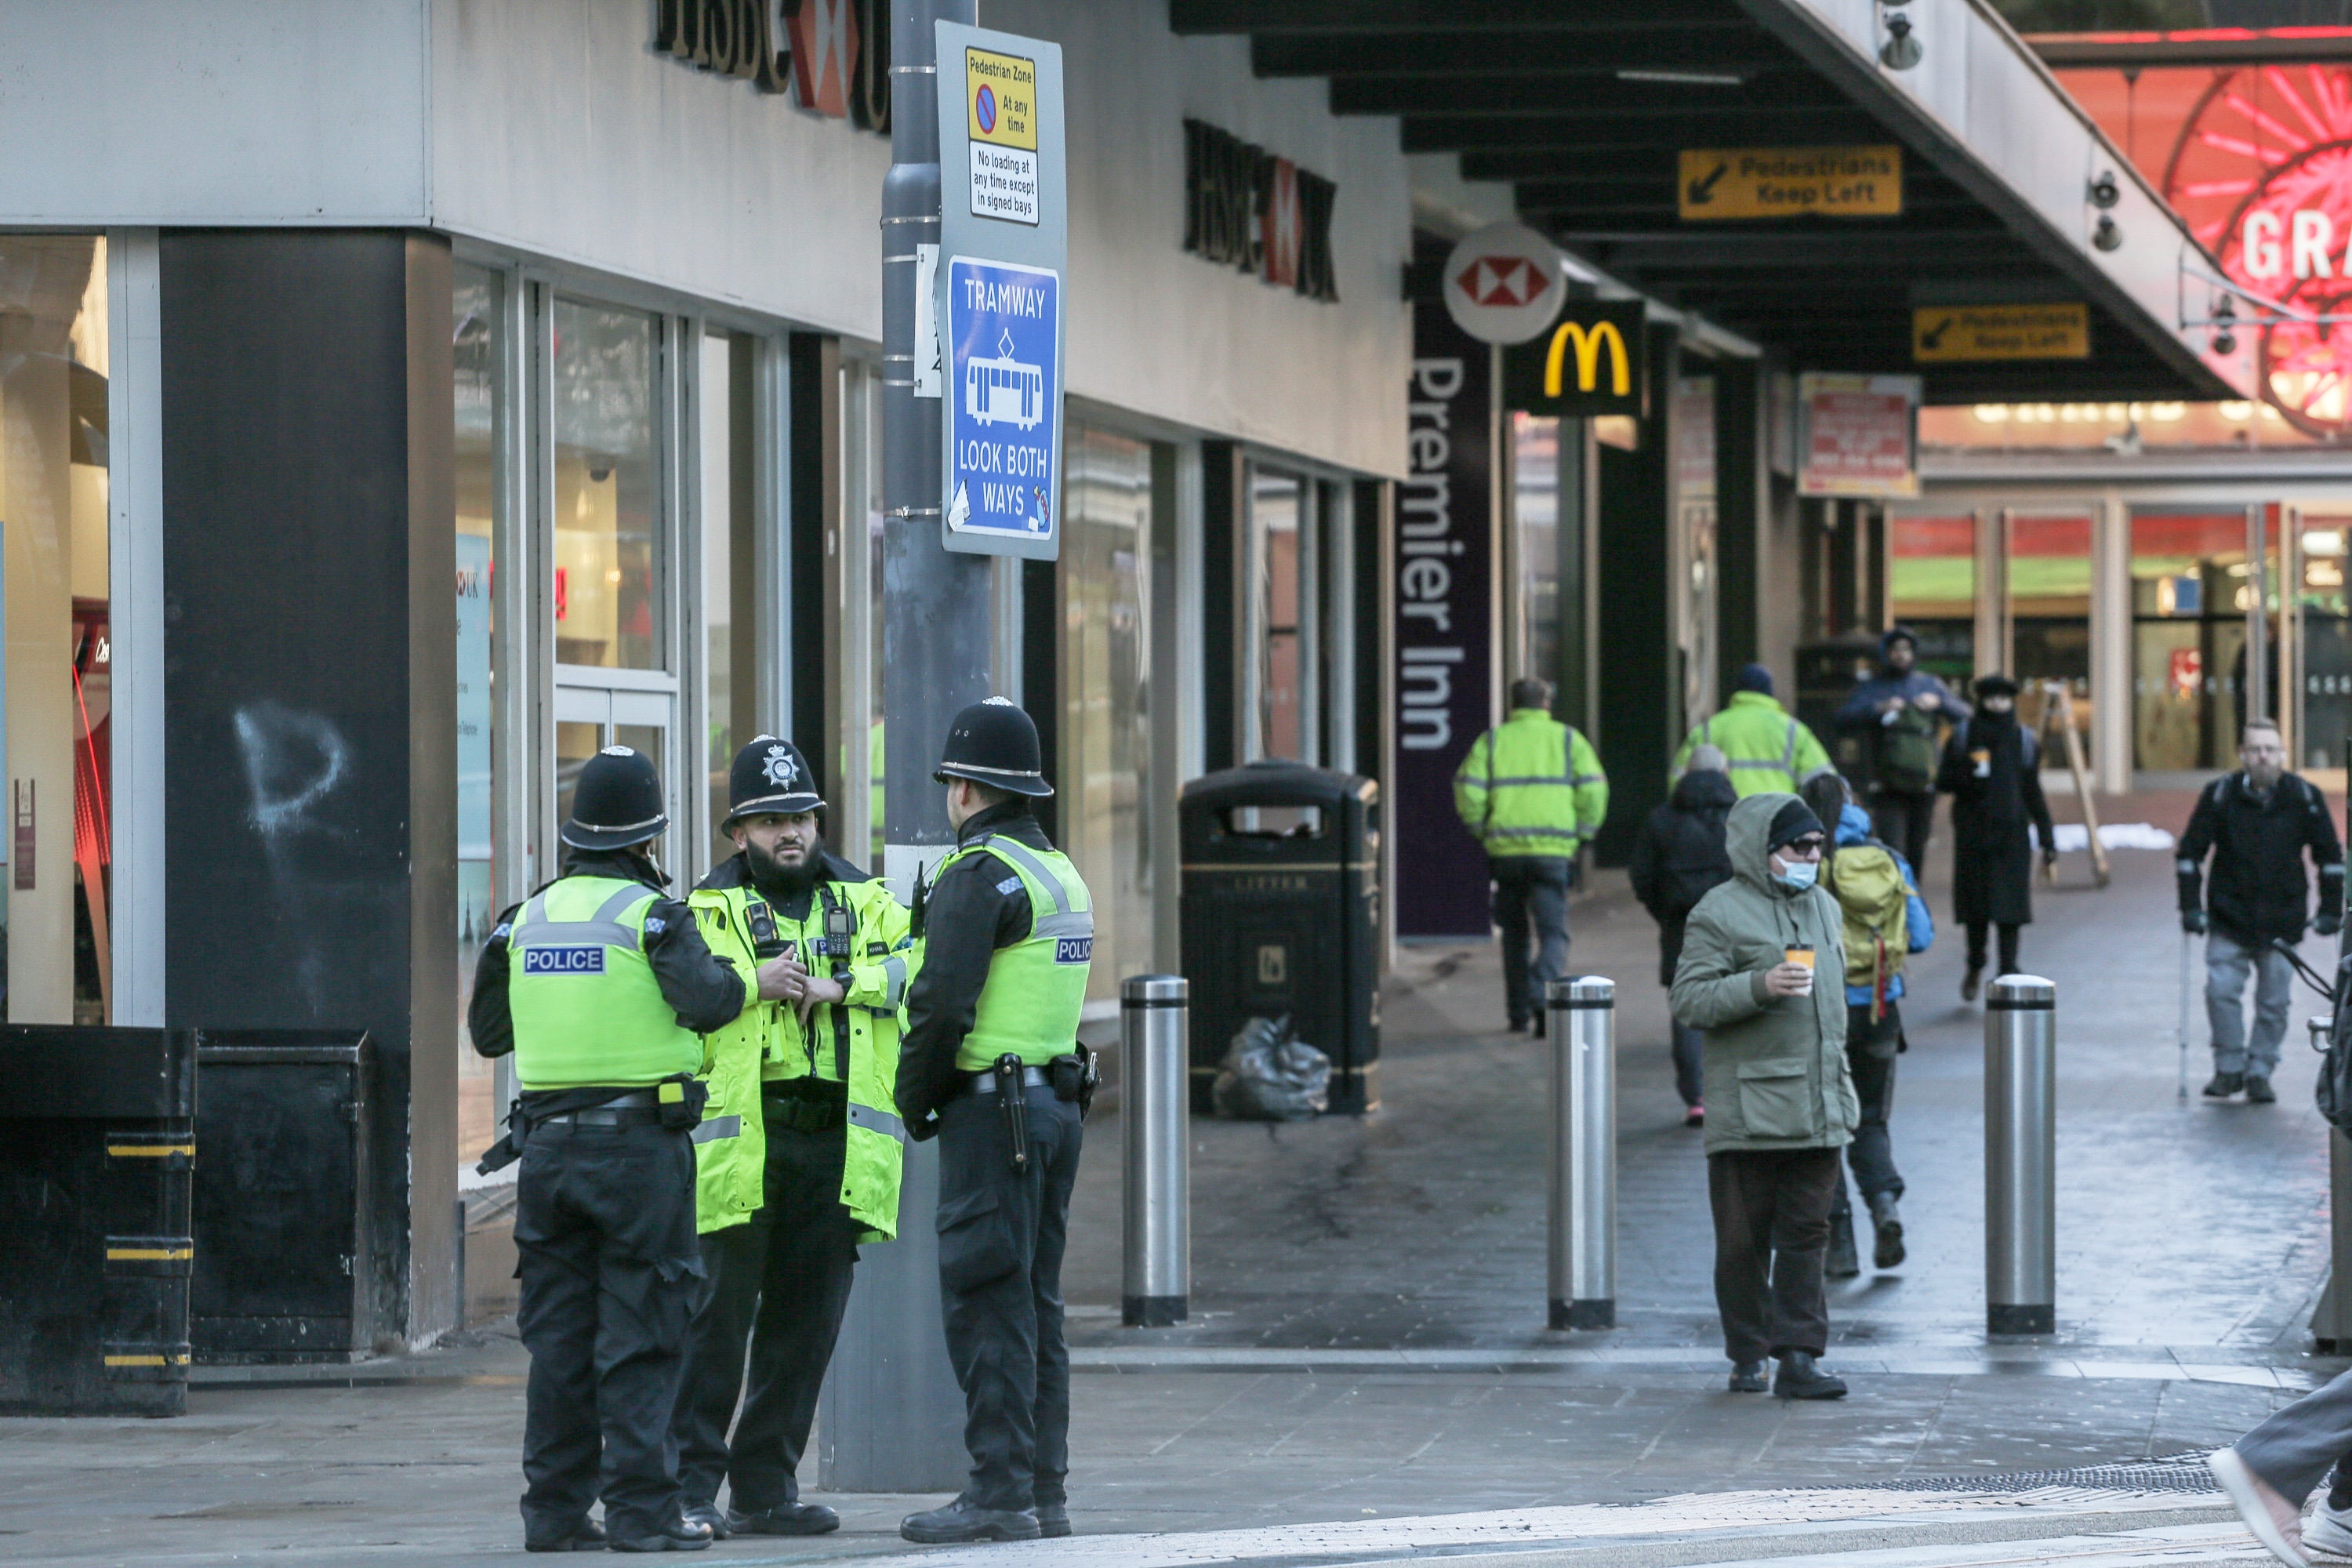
<point>1504,283</point>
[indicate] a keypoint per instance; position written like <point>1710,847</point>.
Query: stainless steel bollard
<point>2020,1085</point>
<point>1155,1114</point>
<point>1583,1262</point>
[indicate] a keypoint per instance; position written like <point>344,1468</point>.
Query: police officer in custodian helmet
<point>798,1155</point>
<point>990,1066</point>
<point>602,988</point>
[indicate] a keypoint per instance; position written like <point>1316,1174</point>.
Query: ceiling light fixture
<point>1685,78</point>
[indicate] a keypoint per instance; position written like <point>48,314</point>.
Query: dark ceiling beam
<point>1450,53</point>
<point>1828,250</point>
<point>1600,134</point>
<point>2138,51</point>
<point>1553,94</point>
<point>1329,16</point>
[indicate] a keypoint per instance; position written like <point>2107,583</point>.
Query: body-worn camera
<point>766,943</point>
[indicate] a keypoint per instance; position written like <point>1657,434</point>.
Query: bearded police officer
<point>991,1067</point>
<point>799,1149</point>
<point>600,987</point>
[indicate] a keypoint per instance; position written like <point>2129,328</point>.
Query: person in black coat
<point>2257,823</point>
<point>1992,770</point>
<point>1678,856</point>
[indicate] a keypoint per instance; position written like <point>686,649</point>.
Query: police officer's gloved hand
<point>2328,923</point>
<point>2193,922</point>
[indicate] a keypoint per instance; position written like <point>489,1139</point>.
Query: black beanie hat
<point>1754,678</point>
<point>1790,823</point>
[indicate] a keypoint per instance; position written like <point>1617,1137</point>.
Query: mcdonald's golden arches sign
<point>1589,362</point>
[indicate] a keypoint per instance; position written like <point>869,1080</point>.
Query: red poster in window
<point>2186,673</point>
<point>1857,435</point>
<point>824,53</point>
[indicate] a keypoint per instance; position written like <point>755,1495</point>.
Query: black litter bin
<point>96,1140</point>
<point>284,1269</point>
<point>1280,908</point>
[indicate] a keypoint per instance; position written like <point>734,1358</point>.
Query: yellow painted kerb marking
<point>151,1150</point>
<point>146,1361</point>
<point>148,1254</point>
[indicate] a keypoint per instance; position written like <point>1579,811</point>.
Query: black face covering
<point>780,884</point>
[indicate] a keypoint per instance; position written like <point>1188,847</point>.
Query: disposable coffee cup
<point>1804,955</point>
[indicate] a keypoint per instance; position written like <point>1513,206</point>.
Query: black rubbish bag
<point>1271,1075</point>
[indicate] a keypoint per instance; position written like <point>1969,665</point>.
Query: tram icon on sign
<point>1003,390</point>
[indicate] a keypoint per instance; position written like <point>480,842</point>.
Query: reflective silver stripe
<point>1818,773</point>
<point>1751,763</point>
<point>2186,867</point>
<point>1022,855</point>
<point>716,1128</point>
<point>874,1120</point>
<point>603,928</point>
<point>1583,779</point>
<point>894,975</point>
<point>1541,779</point>
<point>1532,833</point>
<point>1077,923</point>
<point>1788,757</point>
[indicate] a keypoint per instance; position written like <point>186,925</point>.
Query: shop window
<point>1931,587</point>
<point>1105,665</point>
<point>2327,718</point>
<point>58,852</point>
<point>725,521</point>
<point>2050,615</point>
<point>1535,510</point>
<point>608,524</point>
<point>477,343</point>
<point>1282,598</point>
<point>2190,595</point>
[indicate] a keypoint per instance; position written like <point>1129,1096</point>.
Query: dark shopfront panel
<point>310,692</point>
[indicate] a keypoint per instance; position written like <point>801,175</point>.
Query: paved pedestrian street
<point>1366,1375</point>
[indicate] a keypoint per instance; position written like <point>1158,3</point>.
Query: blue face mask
<point>1800,875</point>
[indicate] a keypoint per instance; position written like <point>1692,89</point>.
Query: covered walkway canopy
<point>1585,107</point>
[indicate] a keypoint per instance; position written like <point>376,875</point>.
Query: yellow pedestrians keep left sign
<point>1953,333</point>
<point>1789,182</point>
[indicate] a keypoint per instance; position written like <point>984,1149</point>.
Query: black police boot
<point>1053,1520</point>
<point>2259,1091</point>
<point>707,1514</point>
<point>792,1519</point>
<point>2226,1084</point>
<point>677,1536</point>
<point>1885,1219</point>
<point>1536,1022</point>
<point>1969,982</point>
<point>1842,1262</point>
<point>586,1536</point>
<point>1748,1377</point>
<point>964,1520</point>
<point>1802,1379</point>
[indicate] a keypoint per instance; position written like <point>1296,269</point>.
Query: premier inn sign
<point>1590,363</point>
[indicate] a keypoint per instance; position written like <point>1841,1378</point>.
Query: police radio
<point>766,943</point>
<point>840,934</point>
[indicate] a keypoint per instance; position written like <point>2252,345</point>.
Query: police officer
<point>1531,791</point>
<point>599,985</point>
<point>798,1153</point>
<point>990,1067</point>
<point>1767,750</point>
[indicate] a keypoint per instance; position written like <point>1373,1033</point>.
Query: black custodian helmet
<point>770,775</point>
<point>994,742</point>
<point>617,802</point>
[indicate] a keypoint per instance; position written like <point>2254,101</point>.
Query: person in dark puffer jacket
<point>2257,823</point>
<point>1678,856</point>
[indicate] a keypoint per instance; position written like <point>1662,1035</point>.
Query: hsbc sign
<point>832,54</point>
<point>1504,283</point>
<point>1246,207</point>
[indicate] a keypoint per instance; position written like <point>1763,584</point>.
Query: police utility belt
<point>804,1104</point>
<point>674,1102</point>
<point>1072,1076</point>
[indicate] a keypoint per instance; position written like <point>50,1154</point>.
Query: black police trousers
<point>783,1279</point>
<point>610,1272</point>
<point>1002,1236</point>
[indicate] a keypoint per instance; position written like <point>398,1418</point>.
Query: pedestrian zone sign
<point>1003,335</point>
